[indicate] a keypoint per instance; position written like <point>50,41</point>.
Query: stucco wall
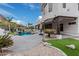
<point>70,10</point>
<point>50,14</point>
<point>70,29</point>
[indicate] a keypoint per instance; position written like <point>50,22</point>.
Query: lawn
<point>61,44</point>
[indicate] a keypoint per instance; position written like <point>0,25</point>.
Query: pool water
<point>24,33</point>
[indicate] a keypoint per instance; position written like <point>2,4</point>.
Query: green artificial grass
<point>61,44</point>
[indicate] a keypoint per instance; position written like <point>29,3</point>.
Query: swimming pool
<point>24,33</point>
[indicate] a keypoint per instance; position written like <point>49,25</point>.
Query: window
<point>45,5</point>
<point>50,7</point>
<point>61,27</point>
<point>44,11</point>
<point>64,5</point>
<point>71,23</point>
<point>78,6</point>
<point>43,8</point>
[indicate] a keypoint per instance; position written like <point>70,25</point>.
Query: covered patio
<point>62,24</point>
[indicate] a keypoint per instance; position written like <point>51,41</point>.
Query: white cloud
<point>16,21</point>
<point>39,17</point>
<point>31,5</point>
<point>6,13</point>
<point>7,5</point>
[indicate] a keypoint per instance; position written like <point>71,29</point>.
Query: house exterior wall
<point>50,14</point>
<point>58,10</point>
<point>69,29</point>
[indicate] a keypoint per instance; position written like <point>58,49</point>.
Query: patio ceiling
<point>50,20</point>
<point>59,18</point>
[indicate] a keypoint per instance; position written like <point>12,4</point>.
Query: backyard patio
<point>31,46</point>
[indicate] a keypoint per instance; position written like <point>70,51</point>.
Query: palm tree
<point>13,26</point>
<point>30,27</point>
<point>9,20</point>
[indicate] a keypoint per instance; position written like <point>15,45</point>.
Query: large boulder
<point>72,46</point>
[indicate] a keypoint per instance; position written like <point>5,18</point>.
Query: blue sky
<point>22,13</point>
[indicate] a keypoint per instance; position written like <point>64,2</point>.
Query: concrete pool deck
<point>39,50</point>
<point>22,43</point>
<point>31,46</point>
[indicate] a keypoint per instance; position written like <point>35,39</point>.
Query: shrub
<point>50,31</point>
<point>12,33</point>
<point>5,41</point>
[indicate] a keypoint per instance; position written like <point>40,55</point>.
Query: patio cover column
<point>57,24</point>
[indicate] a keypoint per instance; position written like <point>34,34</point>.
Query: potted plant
<point>50,31</point>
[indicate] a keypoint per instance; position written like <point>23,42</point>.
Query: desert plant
<point>50,31</point>
<point>5,41</point>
